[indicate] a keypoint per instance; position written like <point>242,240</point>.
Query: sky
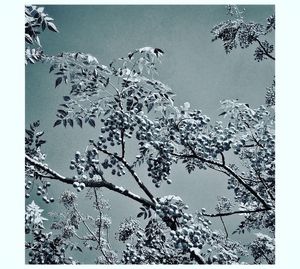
<point>197,70</point>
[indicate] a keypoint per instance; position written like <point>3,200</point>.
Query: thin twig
<point>225,229</point>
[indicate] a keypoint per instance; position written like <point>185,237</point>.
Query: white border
<point>287,129</point>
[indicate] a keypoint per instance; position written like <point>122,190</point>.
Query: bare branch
<point>224,226</point>
<point>236,212</point>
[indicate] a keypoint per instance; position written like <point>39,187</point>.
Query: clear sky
<point>196,69</point>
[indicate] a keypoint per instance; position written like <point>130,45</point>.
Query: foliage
<point>126,102</point>
<point>44,248</point>
<point>263,249</point>
<point>36,21</point>
<point>237,32</point>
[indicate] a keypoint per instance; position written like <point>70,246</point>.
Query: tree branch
<point>91,183</point>
<point>265,185</point>
<point>231,172</point>
<point>224,226</point>
<point>131,171</point>
<point>264,49</point>
<point>235,212</point>
<point>122,143</point>
<point>100,225</point>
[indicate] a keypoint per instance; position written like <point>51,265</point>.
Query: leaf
<point>52,68</point>
<point>40,9</point>
<point>106,82</point>
<point>65,122</point>
<point>30,133</point>
<point>64,105</point>
<point>37,39</point>
<point>52,27</point>
<point>78,248</point>
<point>106,112</point>
<point>70,121</point>
<point>158,52</point>
<point>79,122</point>
<point>58,81</point>
<point>150,106</point>
<point>36,124</point>
<point>66,98</point>
<point>28,39</point>
<point>58,122</point>
<point>62,112</point>
<point>223,113</point>
<point>140,214</point>
<point>39,134</point>
<point>129,104</point>
<point>92,122</point>
<point>43,25</point>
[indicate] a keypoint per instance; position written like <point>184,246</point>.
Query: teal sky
<point>196,69</point>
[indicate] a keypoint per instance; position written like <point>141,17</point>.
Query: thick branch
<point>137,179</point>
<point>235,212</point>
<point>91,183</point>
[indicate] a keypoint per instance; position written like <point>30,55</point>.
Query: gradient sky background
<point>196,69</point>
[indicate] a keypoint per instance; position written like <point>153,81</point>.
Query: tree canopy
<point>130,107</point>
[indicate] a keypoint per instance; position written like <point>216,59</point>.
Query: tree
<point>126,102</point>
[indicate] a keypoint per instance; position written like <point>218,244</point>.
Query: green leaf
<point>67,98</point>
<point>78,248</point>
<point>65,122</point>
<point>58,81</point>
<point>52,27</point>
<point>92,122</point>
<point>58,122</point>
